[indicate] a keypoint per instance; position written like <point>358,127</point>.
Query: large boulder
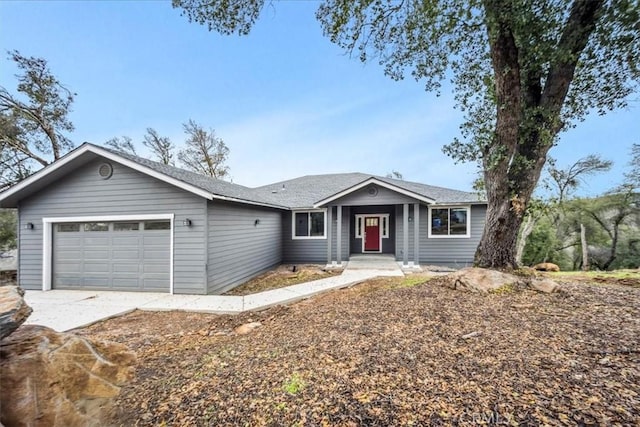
<point>480,279</point>
<point>547,266</point>
<point>13,310</point>
<point>59,379</point>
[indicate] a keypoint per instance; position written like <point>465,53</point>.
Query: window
<point>68,227</point>
<point>126,226</point>
<point>309,225</point>
<point>449,222</point>
<point>157,225</point>
<point>96,226</point>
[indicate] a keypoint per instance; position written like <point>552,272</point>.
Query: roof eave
<point>376,181</point>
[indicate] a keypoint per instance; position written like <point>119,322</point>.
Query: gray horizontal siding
<point>239,249</point>
<point>301,250</point>
<point>456,252</point>
<point>127,192</point>
<point>384,196</point>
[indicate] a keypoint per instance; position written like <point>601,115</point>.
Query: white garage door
<point>119,256</point>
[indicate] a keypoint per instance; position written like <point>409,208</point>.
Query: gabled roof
<point>203,186</point>
<point>315,190</point>
<point>299,193</point>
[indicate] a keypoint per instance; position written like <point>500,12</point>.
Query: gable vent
<point>105,171</point>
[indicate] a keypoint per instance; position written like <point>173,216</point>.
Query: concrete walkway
<point>64,310</point>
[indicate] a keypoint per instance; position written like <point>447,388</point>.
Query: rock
<point>247,327</point>
<point>471,335</point>
<point>546,266</point>
<point>480,279</point>
<point>545,285</point>
<point>13,310</point>
<point>51,378</point>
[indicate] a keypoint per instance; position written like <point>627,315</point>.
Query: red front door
<point>372,234</point>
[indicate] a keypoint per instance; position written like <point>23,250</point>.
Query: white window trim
<point>383,235</point>
<point>308,211</point>
<point>47,240</point>
<point>449,236</point>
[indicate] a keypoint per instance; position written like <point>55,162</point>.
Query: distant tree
<point>522,70</point>
<point>161,147</point>
<point>8,225</point>
<point>204,152</point>
<point>614,213</point>
<point>563,182</point>
<point>394,174</point>
<point>632,176</point>
<point>123,144</point>
<point>34,121</point>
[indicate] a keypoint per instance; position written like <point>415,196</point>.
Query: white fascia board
<point>60,163</point>
<point>246,202</point>
<point>377,182</point>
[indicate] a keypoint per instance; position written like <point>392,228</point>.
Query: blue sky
<point>284,99</point>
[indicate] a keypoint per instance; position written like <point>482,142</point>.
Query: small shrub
<point>294,384</point>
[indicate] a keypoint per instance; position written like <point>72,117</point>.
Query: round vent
<point>105,171</point>
<point>372,191</point>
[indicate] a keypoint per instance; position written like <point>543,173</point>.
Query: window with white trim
<point>449,221</point>
<point>309,225</point>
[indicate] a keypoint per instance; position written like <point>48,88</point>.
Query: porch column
<point>416,234</point>
<point>339,235</point>
<point>329,222</point>
<point>405,234</point>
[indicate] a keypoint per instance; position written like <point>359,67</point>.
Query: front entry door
<point>372,234</point>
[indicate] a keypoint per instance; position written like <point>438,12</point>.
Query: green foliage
<point>8,227</point>
<point>294,384</point>
<point>522,71</point>
<point>34,121</point>
<point>204,152</point>
<point>543,244</point>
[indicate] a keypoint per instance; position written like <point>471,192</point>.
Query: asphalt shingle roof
<point>302,192</point>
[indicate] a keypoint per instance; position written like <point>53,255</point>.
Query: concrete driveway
<point>64,310</point>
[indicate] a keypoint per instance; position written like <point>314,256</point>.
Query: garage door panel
<point>94,254</point>
<point>133,241</point>
<point>154,255</point>
<point>96,241</point>
<point>69,241</point>
<point>91,267</point>
<point>69,255</point>
<point>162,269</point>
<point>126,254</point>
<point>69,281</point>
<point>129,268</point>
<point>96,282</point>
<point>135,260</point>
<point>125,283</point>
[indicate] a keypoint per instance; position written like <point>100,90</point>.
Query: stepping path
<point>64,310</point>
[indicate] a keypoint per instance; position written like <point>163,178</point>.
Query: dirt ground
<point>284,275</point>
<point>391,352</point>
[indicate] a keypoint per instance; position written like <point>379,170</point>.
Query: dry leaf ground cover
<point>390,352</point>
<point>284,275</point>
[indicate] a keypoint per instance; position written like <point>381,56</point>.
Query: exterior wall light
<point>256,222</point>
<point>28,226</point>
<point>186,222</point>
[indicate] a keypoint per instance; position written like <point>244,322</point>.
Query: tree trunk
<point>527,229</point>
<point>585,248</point>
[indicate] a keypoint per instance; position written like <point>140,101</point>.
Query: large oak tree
<point>523,70</point>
